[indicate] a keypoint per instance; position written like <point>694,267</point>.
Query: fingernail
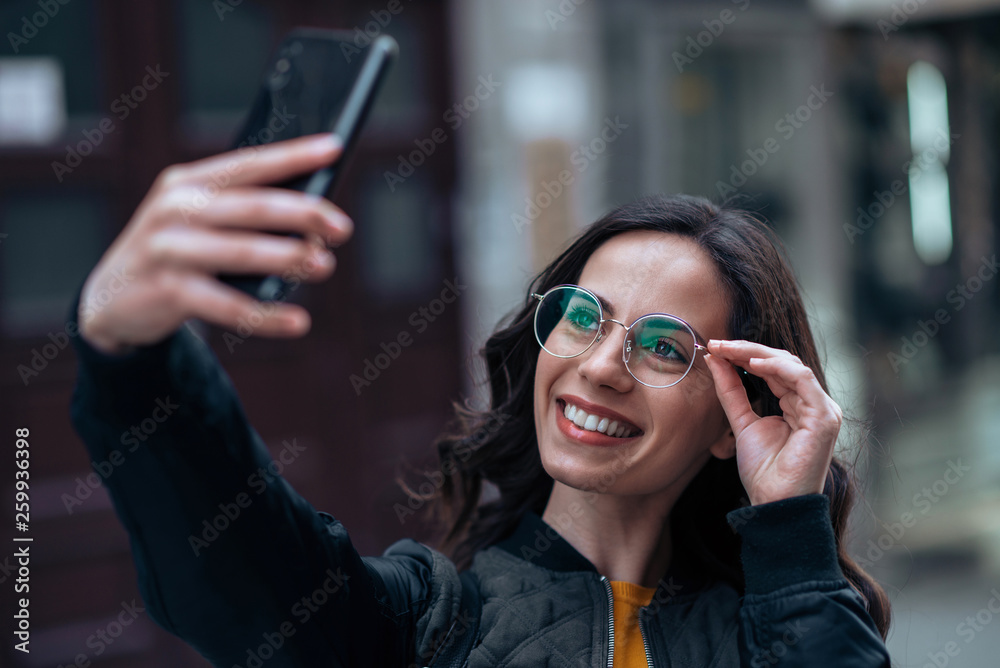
<point>323,257</point>
<point>342,222</point>
<point>714,342</point>
<point>330,142</point>
<point>296,322</point>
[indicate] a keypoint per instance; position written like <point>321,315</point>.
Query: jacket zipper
<point>645,645</point>
<point>611,621</point>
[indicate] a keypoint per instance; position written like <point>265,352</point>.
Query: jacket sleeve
<point>798,609</point>
<point>229,557</point>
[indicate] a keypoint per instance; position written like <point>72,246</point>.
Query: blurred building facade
<point>864,132</point>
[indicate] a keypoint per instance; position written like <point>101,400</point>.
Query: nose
<point>604,363</point>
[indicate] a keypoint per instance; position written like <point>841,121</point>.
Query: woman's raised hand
<point>209,217</point>
<point>778,457</point>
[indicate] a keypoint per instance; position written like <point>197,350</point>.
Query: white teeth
<point>604,425</point>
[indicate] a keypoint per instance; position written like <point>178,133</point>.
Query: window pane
<point>52,241</point>
<point>71,34</point>
<point>223,58</point>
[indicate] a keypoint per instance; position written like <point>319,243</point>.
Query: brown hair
<point>499,444</point>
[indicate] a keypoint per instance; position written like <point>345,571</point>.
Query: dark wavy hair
<point>499,444</point>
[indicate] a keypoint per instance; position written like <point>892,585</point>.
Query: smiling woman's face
<point>678,427</point>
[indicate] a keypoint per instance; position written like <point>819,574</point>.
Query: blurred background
<point>864,131</point>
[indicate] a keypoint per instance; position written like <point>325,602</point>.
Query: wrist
<point>102,342</point>
<point>786,542</point>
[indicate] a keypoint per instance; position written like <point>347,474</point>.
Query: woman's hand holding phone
<point>209,217</point>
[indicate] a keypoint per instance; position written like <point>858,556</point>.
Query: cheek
<point>700,382</point>
<point>543,384</point>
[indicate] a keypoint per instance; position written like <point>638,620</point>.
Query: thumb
<point>732,395</point>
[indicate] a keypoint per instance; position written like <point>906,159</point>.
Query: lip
<point>576,433</point>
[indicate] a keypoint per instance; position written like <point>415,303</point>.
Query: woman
<point>659,391</point>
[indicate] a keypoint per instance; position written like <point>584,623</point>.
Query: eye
<point>581,317</point>
<point>667,348</point>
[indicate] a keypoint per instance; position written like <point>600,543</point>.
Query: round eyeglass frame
<point>628,328</point>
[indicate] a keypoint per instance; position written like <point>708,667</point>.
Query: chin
<point>574,469</point>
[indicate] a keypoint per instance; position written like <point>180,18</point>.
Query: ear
<point>725,446</point>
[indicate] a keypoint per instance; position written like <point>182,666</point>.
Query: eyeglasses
<point>658,350</point>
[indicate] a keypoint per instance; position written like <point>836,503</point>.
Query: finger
<point>774,383</point>
<point>790,405</point>
<point>794,376</point>
<point>221,305</point>
<point>736,350</point>
<point>268,163</point>
<point>732,395</point>
<point>274,209</point>
<point>233,251</point>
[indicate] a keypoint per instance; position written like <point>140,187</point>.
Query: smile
<point>598,424</point>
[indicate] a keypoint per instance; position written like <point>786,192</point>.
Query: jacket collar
<point>536,541</point>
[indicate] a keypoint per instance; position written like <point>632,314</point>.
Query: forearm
<point>798,608</point>
<point>228,554</point>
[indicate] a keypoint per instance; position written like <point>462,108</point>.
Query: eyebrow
<point>606,305</point>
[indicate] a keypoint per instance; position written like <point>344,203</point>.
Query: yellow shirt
<point>628,598</point>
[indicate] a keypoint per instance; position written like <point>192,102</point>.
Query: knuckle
<point>170,177</point>
<point>158,248</point>
<point>176,205</point>
<point>171,290</point>
<point>314,218</point>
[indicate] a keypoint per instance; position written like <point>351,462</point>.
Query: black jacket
<point>232,560</point>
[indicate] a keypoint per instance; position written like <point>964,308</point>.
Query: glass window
<point>397,238</point>
<point>68,33</point>
<point>52,241</point>
<point>222,55</point>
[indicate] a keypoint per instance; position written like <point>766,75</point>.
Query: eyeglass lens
<point>659,349</point>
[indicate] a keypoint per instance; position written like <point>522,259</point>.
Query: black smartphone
<point>316,81</point>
